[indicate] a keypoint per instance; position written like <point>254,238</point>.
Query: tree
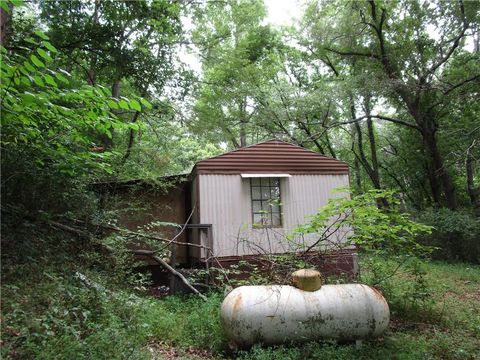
<point>129,45</point>
<point>48,127</point>
<point>236,50</point>
<point>414,71</point>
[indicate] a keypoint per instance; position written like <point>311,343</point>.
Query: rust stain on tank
<point>377,293</point>
<point>237,303</point>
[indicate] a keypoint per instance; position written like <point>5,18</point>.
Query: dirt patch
<point>398,324</point>
<point>464,295</point>
<point>162,351</point>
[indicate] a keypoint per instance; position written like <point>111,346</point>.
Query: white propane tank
<point>277,314</point>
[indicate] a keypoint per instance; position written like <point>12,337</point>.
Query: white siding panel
<point>221,201</point>
<point>225,203</point>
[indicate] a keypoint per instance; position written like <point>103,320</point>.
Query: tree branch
<point>455,44</point>
<point>352,53</point>
<point>162,262</point>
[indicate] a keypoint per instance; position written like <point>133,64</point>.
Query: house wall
<point>138,206</point>
<point>225,203</point>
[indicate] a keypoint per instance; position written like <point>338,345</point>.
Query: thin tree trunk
<point>329,146</point>
<point>473,192</point>
<point>243,124</point>
<point>307,131</point>
<point>131,139</point>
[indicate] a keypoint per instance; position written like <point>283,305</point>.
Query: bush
<point>456,234</point>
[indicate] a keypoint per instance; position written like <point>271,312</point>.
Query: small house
<point>245,202</point>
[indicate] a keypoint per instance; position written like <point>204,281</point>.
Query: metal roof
<point>272,156</point>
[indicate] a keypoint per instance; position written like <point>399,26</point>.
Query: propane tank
<point>276,314</point>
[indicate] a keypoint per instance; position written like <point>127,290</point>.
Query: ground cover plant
<point>85,312</point>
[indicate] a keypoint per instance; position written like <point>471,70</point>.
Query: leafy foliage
<point>374,229</point>
<point>455,234</point>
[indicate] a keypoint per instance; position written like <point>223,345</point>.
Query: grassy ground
<point>48,312</point>
<point>446,328</point>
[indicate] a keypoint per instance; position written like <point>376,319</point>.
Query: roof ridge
<point>263,142</point>
<point>241,148</point>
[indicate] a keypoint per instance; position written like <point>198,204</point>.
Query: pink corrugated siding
<point>225,203</point>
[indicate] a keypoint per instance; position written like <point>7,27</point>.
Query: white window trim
<point>246,176</point>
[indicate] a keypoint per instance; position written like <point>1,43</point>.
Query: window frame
<point>261,186</point>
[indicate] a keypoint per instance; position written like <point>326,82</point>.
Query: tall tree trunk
<point>372,170</point>
<point>116,88</point>
<point>382,202</point>
<point>373,146</point>
<point>473,192</point>
<point>357,174</point>
<point>107,141</point>
<point>438,170</point>
<point>93,60</point>
<point>5,18</point>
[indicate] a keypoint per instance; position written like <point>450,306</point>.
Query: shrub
<point>455,234</point>
<point>386,238</point>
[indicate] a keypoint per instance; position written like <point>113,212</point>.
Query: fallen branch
<point>152,237</point>
<point>162,262</point>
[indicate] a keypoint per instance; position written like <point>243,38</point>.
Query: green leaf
<point>112,104</point>
<point>17,2</point>
<point>28,66</point>
<point>36,61</point>
<point>38,80</point>
<point>44,54</point>
<point>135,105</point>
<point>133,126</point>
<point>29,98</point>
<point>146,103</point>
<point>123,104</point>
<point>49,80</point>
<point>41,35</point>
<point>49,46</point>
<point>25,81</point>
<point>62,78</point>
<point>4,6</point>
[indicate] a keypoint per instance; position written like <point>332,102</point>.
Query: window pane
<point>274,207</point>
<point>265,201</point>
<point>265,193</point>
<point>255,181</point>
<point>275,193</point>
<point>256,194</point>
<point>257,219</point>
<point>261,219</point>
<point>265,206</point>
<point>256,206</point>
<point>276,220</point>
<point>274,182</point>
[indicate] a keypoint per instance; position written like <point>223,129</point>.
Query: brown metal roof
<point>272,156</point>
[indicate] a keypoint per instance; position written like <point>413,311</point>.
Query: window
<point>266,207</point>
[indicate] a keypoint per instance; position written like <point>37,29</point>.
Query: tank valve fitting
<point>307,279</point>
